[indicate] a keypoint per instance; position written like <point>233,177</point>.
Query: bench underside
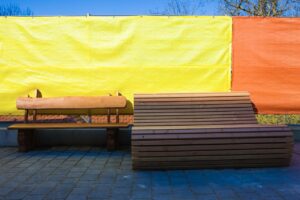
<point>27,134</point>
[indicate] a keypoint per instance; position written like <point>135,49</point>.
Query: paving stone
<point>163,197</point>
<point>60,192</point>
<point>100,194</point>
<point>208,197</point>
<point>34,197</point>
<point>16,195</point>
<point>88,173</point>
<point>77,197</point>
<point>226,194</point>
<point>5,190</point>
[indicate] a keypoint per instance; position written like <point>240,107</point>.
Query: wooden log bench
<point>204,130</point>
<point>27,131</point>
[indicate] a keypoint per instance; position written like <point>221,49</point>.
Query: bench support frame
<point>112,139</point>
<point>26,139</point>
<point>27,136</point>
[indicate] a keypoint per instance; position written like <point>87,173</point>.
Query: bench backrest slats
<point>177,109</point>
<point>71,102</point>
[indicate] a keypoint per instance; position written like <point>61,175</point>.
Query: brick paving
<point>93,173</point>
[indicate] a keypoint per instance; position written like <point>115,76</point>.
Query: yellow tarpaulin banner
<point>72,56</point>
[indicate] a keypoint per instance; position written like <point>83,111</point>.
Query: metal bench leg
<point>26,139</point>
<point>112,138</point>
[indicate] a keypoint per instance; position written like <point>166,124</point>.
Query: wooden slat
<point>213,162</point>
<point>190,99</point>
<point>261,140</point>
<point>189,147</point>
<point>65,125</point>
<point>194,113</point>
<point>212,157</point>
<point>170,103</point>
<point>211,128</point>
<point>199,123</point>
<point>204,130</point>
<point>211,94</point>
<point>211,107</point>
<point>210,153</point>
<point>191,117</point>
<point>200,107</point>
<point>210,164</point>
<point>209,135</point>
<point>151,109</point>
<point>72,102</point>
<point>196,119</point>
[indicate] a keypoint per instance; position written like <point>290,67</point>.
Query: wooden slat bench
<point>26,131</point>
<point>204,130</point>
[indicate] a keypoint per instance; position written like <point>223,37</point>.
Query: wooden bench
<point>26,131</point>
<point>204,130</point>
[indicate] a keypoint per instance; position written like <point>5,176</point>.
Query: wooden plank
<point>199,106</point>
<point>169,103</point>
<point>193,110</point>
<point>207,129</point>
<point>189,147</point>
<point>72,102</point>
<point>211,128</point>
<point>65,125</point>
<point>196,123</point>
<point>211,94</point>
<point>189,99</point>
<point>183,114</point>
<point>196,119</point>
<point>212,157</point>
<point>193,115</point>
<point>209,135</point>
<point>221,152</point>
<point>210,164</point>
<point>213,141</point>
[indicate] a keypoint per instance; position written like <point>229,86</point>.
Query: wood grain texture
<point>66,125</point>
<point>71,102</point>
<point>204,130</point>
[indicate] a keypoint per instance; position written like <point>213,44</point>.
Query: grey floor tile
<point>86,173</point>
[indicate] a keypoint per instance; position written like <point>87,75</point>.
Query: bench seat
<point>204,130</point>
<point>84,104</point>
<point>66,125</point>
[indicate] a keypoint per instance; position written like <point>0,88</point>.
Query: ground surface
<point>92,173</point>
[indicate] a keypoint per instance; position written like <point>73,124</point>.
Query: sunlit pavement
<point>94,173</point>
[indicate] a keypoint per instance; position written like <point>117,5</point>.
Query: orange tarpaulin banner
<point>266,62</point>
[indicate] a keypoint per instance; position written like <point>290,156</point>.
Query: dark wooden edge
<point>66,126</point>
